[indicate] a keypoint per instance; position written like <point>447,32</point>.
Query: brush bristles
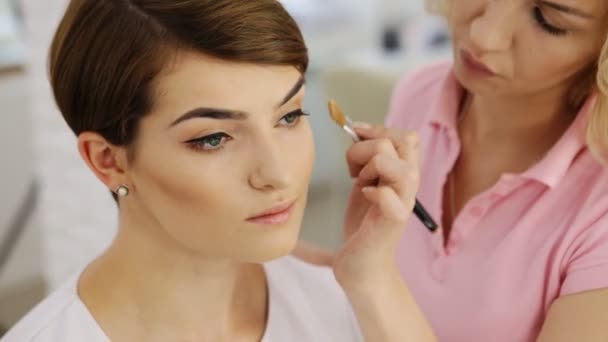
<point>336,113</point>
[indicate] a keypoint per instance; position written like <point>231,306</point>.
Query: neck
<point>164,291</point>
<point>530,123</point>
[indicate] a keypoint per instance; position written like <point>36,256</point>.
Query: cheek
<point>190,195</point>
<point>556,61</point>
<point>299,152</point>
<point>192,182</point>
<point>179,185</point>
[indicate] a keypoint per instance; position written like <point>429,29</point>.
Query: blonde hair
<point>436,6</point>
<point>597,127</point>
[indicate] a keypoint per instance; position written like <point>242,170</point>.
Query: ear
<point>108,162</point>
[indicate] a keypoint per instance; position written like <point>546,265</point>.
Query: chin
<point>269,245</point>
<point>471,85</point>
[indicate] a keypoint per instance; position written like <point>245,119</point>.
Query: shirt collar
<point>554,165</point>
<point>444,110</point>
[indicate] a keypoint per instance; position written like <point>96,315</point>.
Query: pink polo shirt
<point>514,249</point>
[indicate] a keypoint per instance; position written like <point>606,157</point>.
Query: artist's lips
<point>276,215</point>
<point>475,65</point>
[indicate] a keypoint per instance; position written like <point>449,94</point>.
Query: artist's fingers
<point>389,203</point>
<point>361,153</point>
<point>398,174</point>
<point>406,143</point>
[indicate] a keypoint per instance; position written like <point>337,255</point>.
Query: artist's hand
<point>385,168</point>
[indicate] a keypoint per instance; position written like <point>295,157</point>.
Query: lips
<point>275,215</point>
<point>476,65</point>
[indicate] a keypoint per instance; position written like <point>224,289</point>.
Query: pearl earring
<point>122,191</point>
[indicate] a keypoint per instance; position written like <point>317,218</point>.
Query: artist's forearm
<point>387,311</point>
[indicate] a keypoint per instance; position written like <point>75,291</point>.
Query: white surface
<point>8,31</point>
<point>7,24</point>
<point>16,148</point>
<point>12,47</point>
<point>21,277</point>
<point>334,28</point>
<point>305,304</point>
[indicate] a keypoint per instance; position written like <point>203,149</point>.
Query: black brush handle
<point>425,217</point>
<point>419,210</point>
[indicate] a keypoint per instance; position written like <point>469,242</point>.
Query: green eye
<point>210,142</point>
<point>214,141</point>
<point>291,119</point>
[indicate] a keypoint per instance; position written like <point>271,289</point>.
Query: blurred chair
<point>364,87</point>
<point>363,94</point>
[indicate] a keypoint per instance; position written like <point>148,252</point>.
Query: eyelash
<point>540,20</point>
<point>202,143</point>
<point>298,115</point>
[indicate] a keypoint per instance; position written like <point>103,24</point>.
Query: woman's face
<point>223,163</point>
<point>515,47</point>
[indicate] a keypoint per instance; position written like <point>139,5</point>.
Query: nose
<point>270,171</point>
<point>494,28</point>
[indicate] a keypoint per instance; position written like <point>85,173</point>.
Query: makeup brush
<point>346,123</point>
<point>342,120</point>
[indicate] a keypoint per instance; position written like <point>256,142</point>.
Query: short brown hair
<point>106,53</point>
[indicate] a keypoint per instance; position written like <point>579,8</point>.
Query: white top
<point>306,305</point>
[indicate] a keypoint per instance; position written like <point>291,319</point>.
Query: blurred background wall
<point>55,216</point>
